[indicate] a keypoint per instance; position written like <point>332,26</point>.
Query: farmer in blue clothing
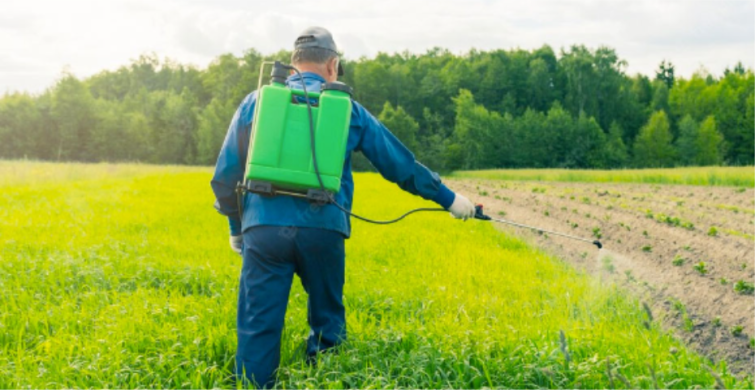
<point>281,236</point>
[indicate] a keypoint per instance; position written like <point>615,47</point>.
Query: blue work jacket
<point>366,134</point>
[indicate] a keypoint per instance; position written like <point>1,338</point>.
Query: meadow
<point>120,276</point>
<point>698,176</point>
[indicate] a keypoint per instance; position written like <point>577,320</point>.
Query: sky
<point>40,39</point>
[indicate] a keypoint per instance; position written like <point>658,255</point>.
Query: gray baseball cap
<point>320,38</point>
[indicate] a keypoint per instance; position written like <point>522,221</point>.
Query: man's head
<point>315,51</point>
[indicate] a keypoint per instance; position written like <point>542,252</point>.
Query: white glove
<point>462,208</point>
<point>237,243</point>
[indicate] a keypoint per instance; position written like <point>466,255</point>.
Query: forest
<point>481,109</point>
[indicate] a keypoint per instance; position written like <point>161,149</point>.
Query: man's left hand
<point>237,244</point>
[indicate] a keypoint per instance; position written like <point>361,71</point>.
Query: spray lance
<point>271,171</point>
<point>481,216</point>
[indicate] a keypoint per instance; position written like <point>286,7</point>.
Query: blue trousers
<point>272,255</point>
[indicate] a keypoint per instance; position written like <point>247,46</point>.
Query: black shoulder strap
<point>243,143</point>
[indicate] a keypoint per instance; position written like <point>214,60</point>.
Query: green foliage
<point>147,299</point>
<point>533,140</point>
<point>73,110</point>
<point>22,126</point>
<point>660,97</point>
<point>710,176</point>
<point>653,145</point>
<point>615,154</point>
<point>472,132</point>
<point>587,145</point>
<point>739,150</point>
<point>701,267</point>
<point>665,73</point>
<point>699,145</point>
<point>708,144</point>
<point>481,109</point>
<point>713,231</point>
<point>744,287</point>
<point>686,143</point>
<point>401,124</point>
<point>212,127</point>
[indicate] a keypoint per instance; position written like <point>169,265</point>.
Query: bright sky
<point>41,38</point>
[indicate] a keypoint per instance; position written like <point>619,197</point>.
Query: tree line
<point>482,109</point>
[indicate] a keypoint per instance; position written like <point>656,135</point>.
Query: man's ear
<point>333,67</point>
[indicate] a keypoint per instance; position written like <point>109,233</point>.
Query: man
<point>281,236</point>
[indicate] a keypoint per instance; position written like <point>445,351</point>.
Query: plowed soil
<point>680,249</point>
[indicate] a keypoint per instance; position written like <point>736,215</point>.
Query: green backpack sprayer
<point>297,145</point>
<point>298,140</point>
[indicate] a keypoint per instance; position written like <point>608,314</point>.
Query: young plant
<point>647,248</point>
<point>713,232</point>
<point>678,261</point>
<point>701,267</point>
<point>744,288</point>
<point>737,330</point>
<point>678,305</point>
<point>596,233</point>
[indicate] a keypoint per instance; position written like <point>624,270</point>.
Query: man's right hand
<point>462,208</point>
<point>237,243</point>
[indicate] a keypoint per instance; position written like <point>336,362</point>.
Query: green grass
<point>699,176</point>
<point>120,276</point>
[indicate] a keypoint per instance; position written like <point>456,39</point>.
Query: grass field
<point>121,276</point>
<point>703,176</point>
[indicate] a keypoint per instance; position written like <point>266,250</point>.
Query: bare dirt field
<point>680,249</point>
